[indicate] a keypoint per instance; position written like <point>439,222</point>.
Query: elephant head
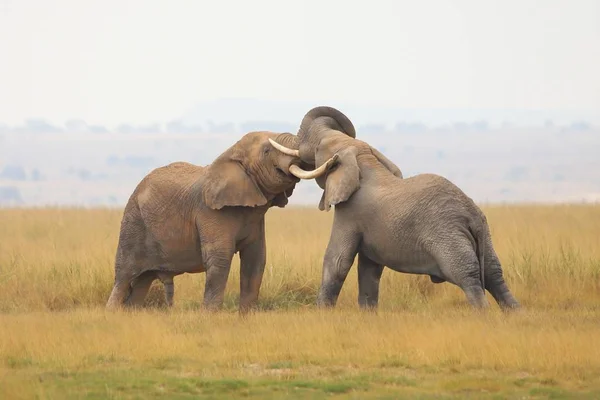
<point>254,173</point>
<point>327,138</point>
<point>317,124</point>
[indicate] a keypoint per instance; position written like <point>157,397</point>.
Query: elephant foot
<point>511,307</point>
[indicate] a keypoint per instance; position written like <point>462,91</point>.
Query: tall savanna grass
<point>60,259</point>
<point>57,341</point>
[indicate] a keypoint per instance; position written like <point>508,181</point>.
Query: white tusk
<point>285,150</point>
<point>302,174</point>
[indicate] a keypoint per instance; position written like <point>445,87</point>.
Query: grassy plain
<point>56,340</point>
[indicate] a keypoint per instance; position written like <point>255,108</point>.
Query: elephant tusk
<point>302,174</point>
<point>285,150</point>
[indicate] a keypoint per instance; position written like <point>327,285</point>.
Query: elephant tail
<point>479,236</point>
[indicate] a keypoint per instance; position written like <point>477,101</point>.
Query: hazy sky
<point>140,61</point>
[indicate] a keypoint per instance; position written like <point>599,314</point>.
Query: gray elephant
<point>419,225</point>
<point>183,218</point>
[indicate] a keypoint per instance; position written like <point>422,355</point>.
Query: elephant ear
<point>227,184</point>
<point>281,199</point>
<point>342,180</point>
<point>386,162</point>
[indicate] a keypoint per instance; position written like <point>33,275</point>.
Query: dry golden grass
<point>56,272</point>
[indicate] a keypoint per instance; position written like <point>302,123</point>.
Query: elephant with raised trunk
<point>420,225</point>
<point>183,218</point>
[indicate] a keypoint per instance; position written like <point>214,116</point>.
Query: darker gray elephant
<point>183,218</point>
<point>421,225</point>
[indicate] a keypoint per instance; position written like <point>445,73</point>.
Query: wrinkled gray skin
<point>183,218</point>
<point>419,225</point>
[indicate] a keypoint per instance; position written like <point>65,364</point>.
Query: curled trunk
<point>316,123</point>
<point>288,140</point>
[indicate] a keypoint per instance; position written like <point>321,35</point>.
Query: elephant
<point>185,218</point>
<point>422,224</point>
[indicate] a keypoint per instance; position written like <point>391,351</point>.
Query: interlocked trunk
<point>315,124</point>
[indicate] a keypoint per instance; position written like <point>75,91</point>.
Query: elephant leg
<point>167,281</point>
<point>253,258</point>
<point>119,294</point>
<point>495,284</point>
<point>218,264</point>
<point>475,294</point>
<point>122,285</point>
<point>369,275</point>
<point>140,287</point>
<point>460,266</point>
<point>339,256</point>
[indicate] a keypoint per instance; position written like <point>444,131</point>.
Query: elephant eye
<point>266,150</point>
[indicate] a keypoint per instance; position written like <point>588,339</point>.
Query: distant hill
<point>494,155</point>
<point>506,164</point>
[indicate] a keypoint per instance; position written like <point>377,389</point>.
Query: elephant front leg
<point>253,259</point>
<point>339,256</point>
<point>218,264</point>
<point>369,276</point>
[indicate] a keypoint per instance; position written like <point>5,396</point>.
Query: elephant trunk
<point>315,123</point>
<point>288,140</point>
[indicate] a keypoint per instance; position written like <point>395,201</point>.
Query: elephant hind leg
<point>167,281</point>
<point>496,285</point>
<point>460,266</point>
<point>475,294</point>
<point>139,289</point>
<point>120,292</point>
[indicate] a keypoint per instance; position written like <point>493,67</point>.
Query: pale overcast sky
<point>140,61</point>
